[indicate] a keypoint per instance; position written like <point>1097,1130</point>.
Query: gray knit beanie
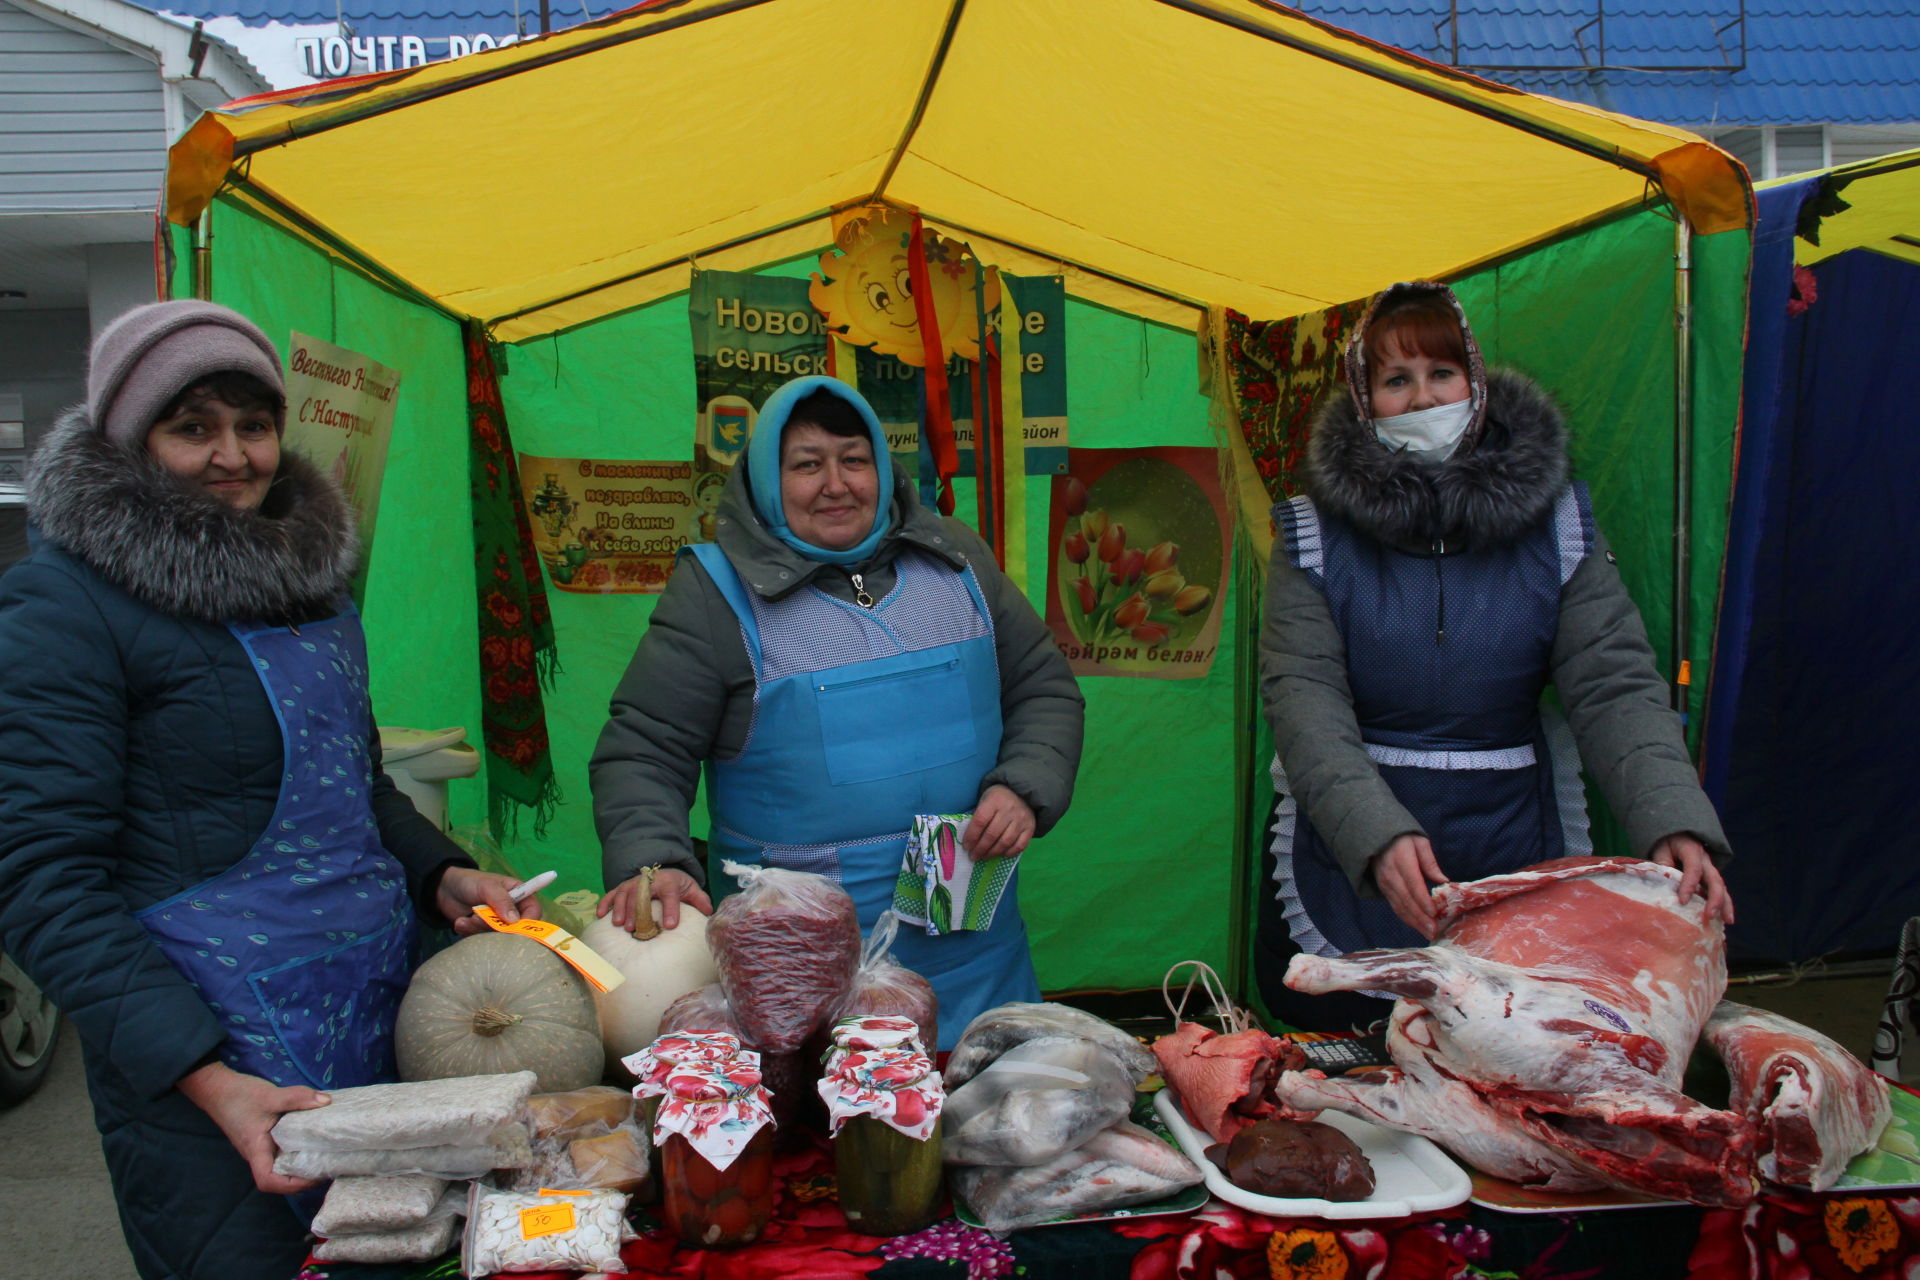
<point>149,355</point>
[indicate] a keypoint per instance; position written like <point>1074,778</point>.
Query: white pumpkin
<point>658,971</point>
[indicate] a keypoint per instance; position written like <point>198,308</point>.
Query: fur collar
<point>1496,491</point>
<point>186,554</point>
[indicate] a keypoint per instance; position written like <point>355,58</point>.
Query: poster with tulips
<point>1141,545</point>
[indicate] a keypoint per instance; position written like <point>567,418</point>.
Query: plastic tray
<point>1410,1174</point>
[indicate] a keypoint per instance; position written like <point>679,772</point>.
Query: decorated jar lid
<point>681,1048</point>
<point>717,1106</point>
<point>876,1032</point>
<point>898,1087</point>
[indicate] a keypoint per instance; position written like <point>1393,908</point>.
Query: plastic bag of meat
<point>883,987</point>
<point>786,946</point>
<point>1034,1101</point>
<point>1120,1166</point>
<point>702,1009</point>
<point>1002,1027</point>
<point>1225,1082</point>
<point>1293,1160</point>
<point>1815,1105</point>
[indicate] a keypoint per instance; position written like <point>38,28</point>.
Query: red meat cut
<point>1816,1106</point>
<point>1542,1037</point>
<point>1224,1083</point>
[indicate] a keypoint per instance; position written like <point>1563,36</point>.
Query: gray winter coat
<point>688,693</point>
<point>139,756</point>
<point>1630,740</point>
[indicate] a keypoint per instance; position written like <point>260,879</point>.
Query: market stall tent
<point>1166,157</point>
<point>1816,687</point>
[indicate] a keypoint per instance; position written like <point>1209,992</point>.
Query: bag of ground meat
<point>786,946</point>
<point>702,1009</point>
<point>885,988</point>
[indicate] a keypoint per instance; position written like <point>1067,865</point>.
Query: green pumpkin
<point>495,1003</point>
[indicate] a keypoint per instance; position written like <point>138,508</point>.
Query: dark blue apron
<point>302,948</point>
<point>1447,658</point>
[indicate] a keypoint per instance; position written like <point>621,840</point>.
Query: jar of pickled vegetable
<point>714,1131</point>
<point>717,1208</point>
<point>884,1108</point>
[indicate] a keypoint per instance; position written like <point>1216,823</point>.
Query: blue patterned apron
<point>302,948</point>
<point>862,719</point>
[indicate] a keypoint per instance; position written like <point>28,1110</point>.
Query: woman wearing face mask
<point>841,659</point>
<point>206,868</point>
<point>1440,571</point>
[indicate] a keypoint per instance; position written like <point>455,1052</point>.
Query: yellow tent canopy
<point>1168,154</point>
<point>1882,208</point>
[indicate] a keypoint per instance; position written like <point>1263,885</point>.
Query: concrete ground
<point>56,1209</point>
<point>55,1202</point>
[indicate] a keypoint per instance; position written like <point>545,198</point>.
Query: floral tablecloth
<point>1837,1237</point>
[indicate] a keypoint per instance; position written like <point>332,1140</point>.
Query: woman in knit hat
<point>207,868</point>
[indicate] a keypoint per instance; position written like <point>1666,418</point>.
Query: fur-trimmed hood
<point>1500,481</point>
<point>1503,487</point>
<point>170,546</point>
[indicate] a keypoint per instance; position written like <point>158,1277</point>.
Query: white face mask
<point>1430,435</point>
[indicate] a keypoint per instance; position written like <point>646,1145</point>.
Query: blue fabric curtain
<point>1817,691</point>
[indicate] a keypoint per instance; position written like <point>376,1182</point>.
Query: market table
<point>1843,1236</point>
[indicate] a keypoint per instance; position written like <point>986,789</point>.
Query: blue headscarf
<point>763,468</point>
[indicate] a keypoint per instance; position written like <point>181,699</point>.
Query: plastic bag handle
<point>880,941</point>
<point>1232,1018</point>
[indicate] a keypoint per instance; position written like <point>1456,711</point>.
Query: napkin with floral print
<point>941,888</point>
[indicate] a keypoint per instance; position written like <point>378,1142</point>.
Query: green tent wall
<point>1155,861</point>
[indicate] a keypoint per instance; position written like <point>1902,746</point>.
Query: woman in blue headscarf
<point>841,659</point>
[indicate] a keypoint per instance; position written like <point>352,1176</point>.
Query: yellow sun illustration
<point>865,288</point>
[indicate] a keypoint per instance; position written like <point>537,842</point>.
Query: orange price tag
<point>600,975</point>
<point>545,1220</point>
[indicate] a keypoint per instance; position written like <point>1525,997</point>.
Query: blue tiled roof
<point>395,17</point>
<point>1806,61</point>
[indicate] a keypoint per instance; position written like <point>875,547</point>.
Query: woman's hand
<point>1403,871</point>
<point>1002,825</point>
<point>671,887</point>
<point>246,1108</point>
<point>1697,872</point>
<point>464,888</point>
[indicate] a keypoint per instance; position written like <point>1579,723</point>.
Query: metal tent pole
<point>1682,461</point>
<point>203,254</point>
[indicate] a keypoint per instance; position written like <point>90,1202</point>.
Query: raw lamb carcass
<point>1816,1106</point>
<point>1543,1036</point>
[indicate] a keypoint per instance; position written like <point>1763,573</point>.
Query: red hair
<point>1424,325</point>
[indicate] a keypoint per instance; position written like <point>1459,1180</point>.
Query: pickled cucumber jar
<point>884,1111</point>
<point>714,1131</point>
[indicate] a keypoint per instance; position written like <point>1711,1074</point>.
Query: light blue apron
<point>862,719</point>
<point>303,947</point>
